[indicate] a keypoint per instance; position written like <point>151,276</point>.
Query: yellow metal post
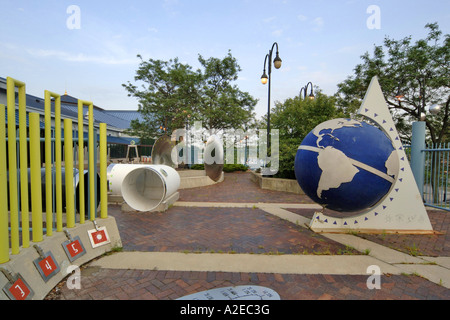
<point>48,159</point>
<point>68,158</point>
<point>4,233</point>
<point>48,163</point>
<point>58,156</point>
<point>12,158</point>
<point>23,161</point>
<point>81,199</point>
<point>81,185</point>
<point>35,177</point>
<point>92,164</point>
<point>103,173</point>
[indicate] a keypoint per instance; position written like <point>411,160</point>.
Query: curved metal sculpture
<point>162,152</point>
<point>214,158</point>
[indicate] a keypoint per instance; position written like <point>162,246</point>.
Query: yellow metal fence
<point>14,178</point>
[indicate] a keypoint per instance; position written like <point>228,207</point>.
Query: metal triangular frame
<point>402,209</point>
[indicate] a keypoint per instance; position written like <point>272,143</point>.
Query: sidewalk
<point>234,233</point>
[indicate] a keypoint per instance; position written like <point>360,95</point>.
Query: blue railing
<point>436,192</point>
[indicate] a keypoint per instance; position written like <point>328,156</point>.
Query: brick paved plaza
<point>234,231</point>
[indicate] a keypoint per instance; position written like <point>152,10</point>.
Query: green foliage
<point>166,98</point>
<point>171,93</point>
<point>417,73</point>
<point>288,150</point>
<point>226,167</point>
<point>223,105</point>
<point>234,167</point>
<point>295,118</point>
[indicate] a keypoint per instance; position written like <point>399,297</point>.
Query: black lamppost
<point>264,79</point>
<point>305,90</point>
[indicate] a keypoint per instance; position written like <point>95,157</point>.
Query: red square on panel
<point>19,290</point>
<point>74,248</point>
<point>47,266</point>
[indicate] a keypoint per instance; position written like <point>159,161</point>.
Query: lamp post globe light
<point>304,90</point>
<point>266,78</point>
<point>435,109</point>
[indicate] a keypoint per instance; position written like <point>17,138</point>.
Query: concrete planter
<point>276,184</point>
<point>196,179</point>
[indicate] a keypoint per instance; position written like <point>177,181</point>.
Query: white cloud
<point>302,17</point>
<point>286,69</point>
<point>277,33</point>
<point>171,7</point>
<point>349,49</point>
<point>80,57</point>
<point>171,2</point>
<point>268,20</point>
<point>318,22</point>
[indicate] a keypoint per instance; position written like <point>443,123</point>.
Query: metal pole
<point>48,162</point>
<point>103,173</point>
<point>81,208</point>
<point>57,182</point>
<point>268,104</point>
<point>277,63</point>
<point>68,156</point>
<point>417,154</point>
<point>12,157</point>
<point>92,164</point>
<point>4,233</point>
<point>35,178</point>
<point>23,160</point>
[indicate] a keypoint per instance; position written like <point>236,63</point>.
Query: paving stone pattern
<point>245,230</point>
<point>108,284</point>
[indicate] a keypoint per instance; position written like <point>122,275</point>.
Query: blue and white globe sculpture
<point>346,165</point>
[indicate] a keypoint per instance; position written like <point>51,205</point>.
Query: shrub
<point>226,167</point>
<point>234,167</point>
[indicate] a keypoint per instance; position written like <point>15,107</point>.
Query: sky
<point>90,48</point>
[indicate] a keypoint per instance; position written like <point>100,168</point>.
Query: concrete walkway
<point>234,233</point>
<point>388,260</point>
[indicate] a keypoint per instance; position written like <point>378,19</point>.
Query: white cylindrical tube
<point>143,187</point>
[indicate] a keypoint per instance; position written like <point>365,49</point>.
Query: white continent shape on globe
<point>333,125</point>
<point>336,167</point>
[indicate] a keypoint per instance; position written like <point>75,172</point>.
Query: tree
<point>224,105</point>
<point>413,76</point>
<point>295,118</point>
<point>169,93</point>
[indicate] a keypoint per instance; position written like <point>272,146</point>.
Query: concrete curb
<point>216,262</point>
